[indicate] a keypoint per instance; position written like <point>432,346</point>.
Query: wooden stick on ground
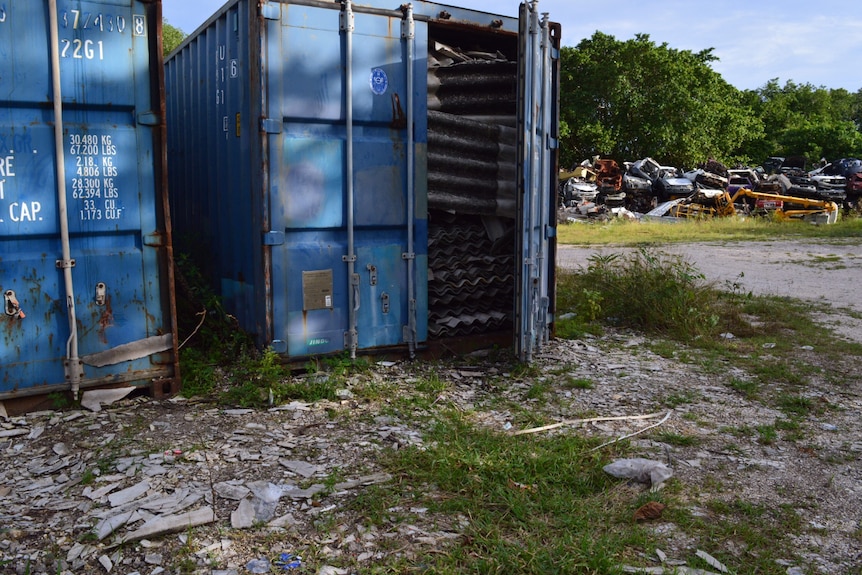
<point>588,420</point>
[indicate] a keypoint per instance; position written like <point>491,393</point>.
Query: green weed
<point>677,439</point>
<point>646,290</point>
<point>747,387</point>
<point>795,405</point>
<point>579,383</point>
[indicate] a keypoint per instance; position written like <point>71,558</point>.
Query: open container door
<point>535,250</point>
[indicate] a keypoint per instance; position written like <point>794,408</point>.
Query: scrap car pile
<point>781,188</point>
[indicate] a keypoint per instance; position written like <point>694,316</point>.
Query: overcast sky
<point>818,43</point>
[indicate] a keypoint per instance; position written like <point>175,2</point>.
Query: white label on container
<point>95,176</point>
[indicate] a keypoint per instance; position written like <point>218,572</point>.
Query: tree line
<point>631,99</point>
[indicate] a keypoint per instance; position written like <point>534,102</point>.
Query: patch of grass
<point>747,387</point>
<point>534,505</point>
<point>646,290</point>
<point>538,391</point>
<point>771,372</point>
<point>738,430</point>
<point>578,383</point>
<point>665,349</point>
<point>791,429</point>
<point>88,477</point>
<point>620,232</point>
<point>767,434</point>
<point>677,399</point>
<point>795,405</point>
<point>431,384</point>
<point>261,380</point>
<point>199,373</point>
<point>677,439</point>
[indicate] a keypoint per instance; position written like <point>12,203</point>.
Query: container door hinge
<point>273,238</point>
<point>154,240</point>
<point>74,369</point>
<point>349,338</point>
<point>408,256</point>
<point>148,119</point>
<point>550,232</point>
<point>270,126</point>
<point>553,143</point>
<point>346,21</point>
<point>271,10</point>
<point>63,264</point>
<point>348,259</point>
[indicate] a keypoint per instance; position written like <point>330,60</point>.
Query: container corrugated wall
<point>347,174</point>
<point>85,263</point>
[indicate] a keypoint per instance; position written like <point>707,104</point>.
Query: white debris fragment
<point>171,523</point>
<point>711,561</point>
<point>302,468</point>
<point>106,563</point>
<point>641,470</point>
<point>94,399</point>
<point>129,494</point>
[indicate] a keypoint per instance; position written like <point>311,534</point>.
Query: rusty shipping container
<point>85,263</point>
<point>369,176</point>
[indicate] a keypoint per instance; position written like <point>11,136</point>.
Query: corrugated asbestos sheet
<point>471,196</point>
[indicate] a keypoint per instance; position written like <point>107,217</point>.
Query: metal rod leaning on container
<point>72,363</point>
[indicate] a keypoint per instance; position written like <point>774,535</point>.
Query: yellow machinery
<point>722,205</point>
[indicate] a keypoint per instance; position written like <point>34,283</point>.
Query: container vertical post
<point>408,33</point>
<point>347,27</point>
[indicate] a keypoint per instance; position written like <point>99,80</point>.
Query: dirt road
<point>806,269</point>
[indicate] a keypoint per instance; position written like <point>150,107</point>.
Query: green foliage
<point>620,232</point>
<point>260,380</point>
<point>171,37</point>
<point>748,387</point>
<point>767,434</point>
<point>631,99</point>
<point>534,505</point>
<point>677,439</point>
<point>59,400</point>
<point>795,405</point>
<point>579,383</point>
<point>803,120</point>
<point>652,292</point>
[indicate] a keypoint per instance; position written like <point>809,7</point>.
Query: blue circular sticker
<point>379,81</point>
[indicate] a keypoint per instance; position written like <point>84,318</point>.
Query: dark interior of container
<point>472,142</point>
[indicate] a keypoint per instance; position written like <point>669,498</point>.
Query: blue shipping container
<point>84,237</point>
<point>353,177</point>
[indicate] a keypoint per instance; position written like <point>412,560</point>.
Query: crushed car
<point>781,188</point>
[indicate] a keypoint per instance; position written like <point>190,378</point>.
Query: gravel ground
<point>66,475</point>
